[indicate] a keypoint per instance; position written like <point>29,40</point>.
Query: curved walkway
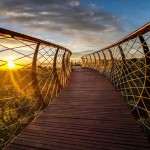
<point>88,114</point>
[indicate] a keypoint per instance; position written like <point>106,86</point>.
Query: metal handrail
<point>139,31</point>
<point>29,38</point>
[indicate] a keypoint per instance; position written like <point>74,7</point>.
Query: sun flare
<point>10,64</point>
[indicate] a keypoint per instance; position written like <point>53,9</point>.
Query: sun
<point>10,63</point>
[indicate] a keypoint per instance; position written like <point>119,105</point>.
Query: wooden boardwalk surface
<point>88,114</point>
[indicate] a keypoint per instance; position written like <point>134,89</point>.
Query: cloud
<point>74,3</point>
<point>67,22</point>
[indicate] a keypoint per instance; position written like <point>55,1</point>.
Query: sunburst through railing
<point>32,73</point>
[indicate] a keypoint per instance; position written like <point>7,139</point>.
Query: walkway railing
<point>75,63</point>
<point>32,73</point>
<point>126,64</point>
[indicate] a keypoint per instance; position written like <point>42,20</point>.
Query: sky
<point>79,25</point>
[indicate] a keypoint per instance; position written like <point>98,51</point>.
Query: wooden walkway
<point>89,114</point>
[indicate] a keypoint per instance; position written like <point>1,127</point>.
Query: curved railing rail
<point>32,73</point>
<point>126,64</point>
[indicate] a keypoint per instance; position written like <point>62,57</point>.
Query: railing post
<point>94,60</point>
<point>90,64</point>
<point>82,61</point>
<point>35,58</point>
<point>63,63</point>
<point>64,67</point>
<point>86,62</point>
<point>68,64</point>
<point>99,60</point>
<point>146,90</point>
<point>112,62</point>
<point>35,82</point>
<point>124,71</point>
<point>122,55</point>
<point>147,59</point>
<point>55,70</point>
<point>103,72</point>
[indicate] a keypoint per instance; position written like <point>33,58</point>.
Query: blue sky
<point>79,25</point>
<point>132,13</point>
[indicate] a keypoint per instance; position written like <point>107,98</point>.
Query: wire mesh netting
<point>126,64</point>
<point>32,73</point>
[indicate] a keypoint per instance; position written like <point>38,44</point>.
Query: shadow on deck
<point>88,114</point>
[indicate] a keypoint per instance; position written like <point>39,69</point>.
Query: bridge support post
<point>123,72</point>
<point>86,64</point>
<point>68,64</point>
<point>65,75</point>
<point>63,69</point>
<point>82,61</point>
<point>146,88</point>
<point>94,60</point>
<point>55,74</point>
<point>104,70</point>
<point>37,92</point>
<point>90,64</point>
<point>112,64</point>
<point>147,60</point>
<point>99,61</point>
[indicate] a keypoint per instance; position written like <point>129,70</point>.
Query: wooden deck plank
<point>88,114</point>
